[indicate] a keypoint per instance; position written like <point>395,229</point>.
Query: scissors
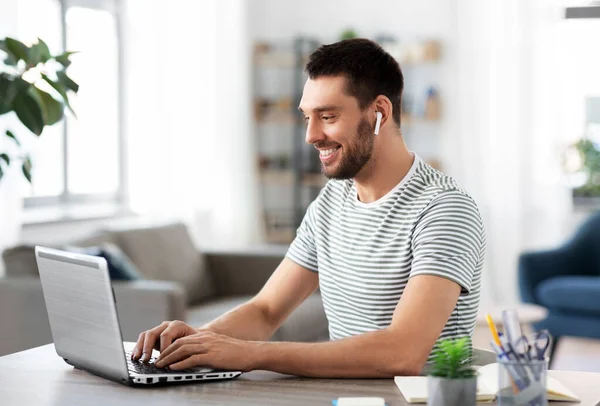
<point>524,349</point>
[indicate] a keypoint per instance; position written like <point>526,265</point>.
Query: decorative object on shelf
<point>275,161</point>
<point>452,380</point>
<point>412,52</point>
<point>273,109</point>
<point>432,51</point>
<point>348,34</point>
<point>432,104</point>
<point>26,71</point>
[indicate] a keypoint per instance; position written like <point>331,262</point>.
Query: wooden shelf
<point>288,118</point>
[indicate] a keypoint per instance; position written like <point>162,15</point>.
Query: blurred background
<point>187,112</point>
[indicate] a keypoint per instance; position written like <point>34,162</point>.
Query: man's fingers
<point>182,351</point>
<point>190,362</point>
<point>135,354</point>
<point>175,330</point>
<point>165,340</point>
<point>175,345</point>
<point>150,340</point>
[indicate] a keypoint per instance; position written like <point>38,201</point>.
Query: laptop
<point>85,326</point>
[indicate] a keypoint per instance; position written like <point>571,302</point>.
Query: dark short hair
<point>369,70</point>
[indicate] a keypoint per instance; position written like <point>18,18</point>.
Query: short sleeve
<point>303,250</point>
<point>449,239</point>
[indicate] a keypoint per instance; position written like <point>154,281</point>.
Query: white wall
<point>8,20</point>
<point>279,19</point>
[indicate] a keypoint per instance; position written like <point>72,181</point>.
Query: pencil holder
<point>522,383</point>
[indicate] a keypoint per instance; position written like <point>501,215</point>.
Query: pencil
<point>493,329</point>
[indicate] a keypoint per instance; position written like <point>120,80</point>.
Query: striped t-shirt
<point>365,253</point>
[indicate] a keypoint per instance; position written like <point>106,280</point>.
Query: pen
<point>515,380</point>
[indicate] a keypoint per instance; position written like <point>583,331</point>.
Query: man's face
<point>336,127</point>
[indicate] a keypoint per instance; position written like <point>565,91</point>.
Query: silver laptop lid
<point>82,312</point>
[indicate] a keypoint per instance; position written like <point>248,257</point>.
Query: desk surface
<point>39,377</point>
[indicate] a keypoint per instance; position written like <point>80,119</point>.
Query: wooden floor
<point>572,353</point>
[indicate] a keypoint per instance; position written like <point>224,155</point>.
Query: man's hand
<point>209,349</point>
<point>160,338</point>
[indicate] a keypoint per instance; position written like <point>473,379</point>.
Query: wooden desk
<point>39,377</point>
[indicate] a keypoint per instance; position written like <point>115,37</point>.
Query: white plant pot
<point>451,392</point>
<point>11,209</point>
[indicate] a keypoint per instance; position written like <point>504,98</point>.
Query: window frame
<point>120,197</point>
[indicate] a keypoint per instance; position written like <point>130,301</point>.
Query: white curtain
<point>188,116</point>
<point>11,185</point>
<point>505,143</point>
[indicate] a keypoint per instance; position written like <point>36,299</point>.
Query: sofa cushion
<point>571,293</point>
<point>306,323</point>
<point>205,312</point>
<point>20,261</point>
<point>167,252</point>
<point>120,268</point>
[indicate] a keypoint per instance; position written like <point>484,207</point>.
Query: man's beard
<point>355,155</point>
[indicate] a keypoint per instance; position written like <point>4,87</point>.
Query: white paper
<point>361,402</point>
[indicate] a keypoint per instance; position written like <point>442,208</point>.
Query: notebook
<point>414,388</point>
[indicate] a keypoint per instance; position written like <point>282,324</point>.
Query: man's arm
<point>400,349</point>
<point>259,318</point>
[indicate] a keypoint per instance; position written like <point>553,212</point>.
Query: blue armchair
<point>566,281</point>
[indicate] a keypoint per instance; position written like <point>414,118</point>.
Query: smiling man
<point>395,246</point>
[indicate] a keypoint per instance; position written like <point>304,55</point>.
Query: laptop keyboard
<point>139,367</point>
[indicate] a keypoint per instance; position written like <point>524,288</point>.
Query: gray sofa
<point>180,283</point>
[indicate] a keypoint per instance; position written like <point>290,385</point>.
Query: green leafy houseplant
<point>452,359</point>
<point>24,73</point>
<point>590,158</point>
<point>452,379</point>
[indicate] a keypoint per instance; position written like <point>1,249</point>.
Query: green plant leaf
<point>60,89</point>
<point>6,158</point>
<point>10,134</point>
<point>452,359</point>
<point>63,58</point>
<point>10,59</point>
<point>52,109</point>
<point>26,168</point>
<point>7,93</point>
<point>17,49</point>
<point>29,112</point>
<point>39,53</point>
<point>67,81</point>
<point>1,173</point>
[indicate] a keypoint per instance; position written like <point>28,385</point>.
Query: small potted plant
<point>452,379</point>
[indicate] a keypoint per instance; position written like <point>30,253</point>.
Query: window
<point>80,159</point>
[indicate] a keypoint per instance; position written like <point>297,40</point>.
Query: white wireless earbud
<point>378,123</point>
